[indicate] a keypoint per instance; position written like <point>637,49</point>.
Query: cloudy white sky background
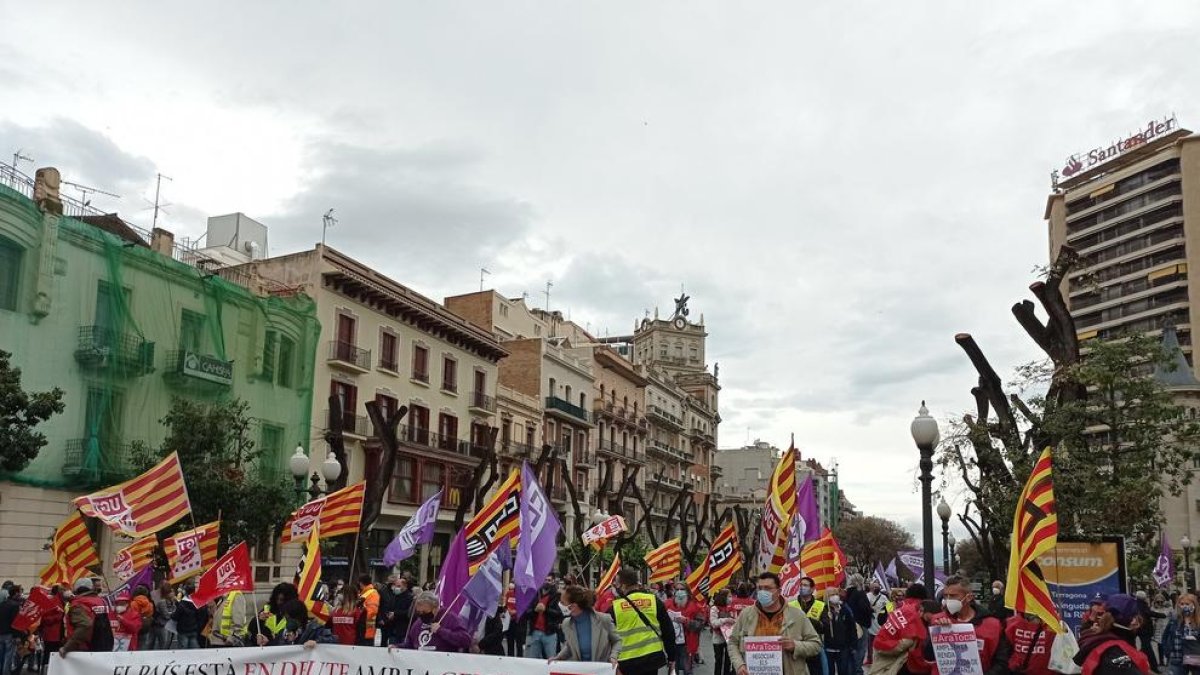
<point>841,187</point>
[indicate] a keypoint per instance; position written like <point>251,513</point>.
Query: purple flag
<point>143,577</point>
<point>892,574</point>
<point>1164,568</point>
<point>806,523</point>
<point>537,546</point>
<point>484,589</point>
<point>882,578</point>
<point>455,572</point>
<point>418,530</point>
<point>915,562</point>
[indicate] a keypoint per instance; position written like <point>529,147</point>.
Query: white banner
<point>322,660</point>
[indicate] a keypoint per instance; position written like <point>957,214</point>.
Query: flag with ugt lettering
<point>778,513</point>
<point>231,573</point>
<point>665,561</point>
<point>190,552</point>
<point>338,512</point>
<point>1035,533</point>
<point>134,557</point>
<point>144,505</point>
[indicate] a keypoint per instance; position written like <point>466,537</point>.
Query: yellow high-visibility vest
<point>637,639</point>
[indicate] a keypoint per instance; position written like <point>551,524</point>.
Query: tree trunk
<point>470,493</point>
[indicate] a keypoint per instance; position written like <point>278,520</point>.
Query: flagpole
<point>353,557</point>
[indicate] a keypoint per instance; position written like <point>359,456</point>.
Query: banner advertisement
<point>956,649</point>
<point>321,660</point>
<point>1078,571</point>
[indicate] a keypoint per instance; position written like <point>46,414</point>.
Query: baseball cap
<point>1122,606</point>
<point>84,584</point>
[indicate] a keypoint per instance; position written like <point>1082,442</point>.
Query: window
<point>420,365</point>
<point>448,430</point>
<point>553,387</point>
<point>387,351</point>
<point>404,481</point>
<point>387,405</point>
<point>270,354</point>
<point>449,374</point>
<point>271,446</point>
<point>10,274</point>
<point>348,394</point>
<point>567,390</point>
<point>433,477</point>
<point>582,400</point>
<point>503,310</point>
<point>418,419</point>
<point>480,382</point>
<point>191,331</point>
<point>286,367</point>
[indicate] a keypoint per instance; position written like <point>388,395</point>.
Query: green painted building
<point>121,324</point>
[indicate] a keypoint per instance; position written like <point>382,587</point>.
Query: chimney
<point>162,242</point>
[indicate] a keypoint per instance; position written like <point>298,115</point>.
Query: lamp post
<point>1186,543</point>
<point>925,435</point>
<point>298,465</point>
<point>943,511</point>
<point>953,551</point>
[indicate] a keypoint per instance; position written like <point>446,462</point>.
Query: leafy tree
<point>871,539</point>
<point>221,466</point>
<point>20,412</point>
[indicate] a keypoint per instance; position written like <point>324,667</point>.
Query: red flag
<point>339,513</point>
<point>231,573</point>
<point>39,601</point>
<point>143,505</point>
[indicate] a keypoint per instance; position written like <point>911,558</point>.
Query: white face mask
<point>835,600</point>
<point>953,605</point>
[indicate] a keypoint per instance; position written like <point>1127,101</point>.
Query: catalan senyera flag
<point>338,512</point>
<point>699,582</point>
<point>71,552</point>
<point>143,505</point>
<point>192,551</point>
<point>778,512</point>
<point>665,561</point>
<point>824,561</point>
<point>1035,532</point>
<point>308,575</point>
<point>724,558</point>
<point>134,557</point>
<point>498,520</point>
<point>610,575</point>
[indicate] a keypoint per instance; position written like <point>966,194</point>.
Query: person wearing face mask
<point>1146,632</point>
<point>721,617</point>
<point>996,608</point>
<point>688,617</point>
<point>434,629</point>
<point>647,634</point>
<point>587,635</point>
<point>541,622</point>
<point>402,598</point>
<point>1030,644</point>
<point>299,629</point>
<point>514,637</point>
<point>856,599</point>
<point>880,606</point>
<point>899,646</point>
<point>1181,638</point>
<point>958,603</point>
<point>772,617</point>
<point>841,632</point>
<point>806,600</point>
<point>1108,649</point>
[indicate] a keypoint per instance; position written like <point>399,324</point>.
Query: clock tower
<point>674,345</point>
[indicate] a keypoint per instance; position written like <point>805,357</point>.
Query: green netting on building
<point>122,329</point>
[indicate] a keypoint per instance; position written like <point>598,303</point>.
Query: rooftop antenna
<point>84,191</point>
<point>18,156</point>
<point>548,285</point>
<point>157,205</point>
<point>482,271</point>
<point>327,221</point>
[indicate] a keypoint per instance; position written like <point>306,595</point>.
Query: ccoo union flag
<point>824,561</point>
<point>1035,532</point>
<point>724,558</point>
<point>778,513</point>
<point>497,521</point>
<point>143,505</point>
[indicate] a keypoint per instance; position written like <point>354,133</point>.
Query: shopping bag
<point>1063,651</point>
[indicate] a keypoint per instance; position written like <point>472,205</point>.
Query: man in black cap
<point>1108,649</point>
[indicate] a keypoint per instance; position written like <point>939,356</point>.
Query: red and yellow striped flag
<point>699,582</point>
<point>134,557</point>
<point>71,553</point>
<point>665,561</point>
<point>824,561</point>
<point>143,505</point>
<point>724,558</point>
<point>192,551</point>
<point>308,576</point>
<point>339,513</point>
<point>497,521</point>
<point>1035,532</point>
<point>778,512</point>
<point>609,576</point>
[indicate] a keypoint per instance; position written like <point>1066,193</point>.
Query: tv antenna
<point>549,284</point>
<point>482,271</point>
<point>18,156</point>
<point>84,191</point>
<point>327,221</point>
<point>157,205</point>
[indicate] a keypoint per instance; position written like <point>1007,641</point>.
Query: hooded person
<point>1108,648</point>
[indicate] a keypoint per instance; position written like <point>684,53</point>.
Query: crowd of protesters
<point>858,629</point>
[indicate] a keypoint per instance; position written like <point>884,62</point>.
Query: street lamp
<point>953,550</point>
<point>925,435</point>
<point>943,511</point>
<point>331,469</point>
<point>1186,543</point>
<point>298,465</point>
<point>599,516</point>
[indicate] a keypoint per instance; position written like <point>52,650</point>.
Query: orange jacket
<point>370,604</point>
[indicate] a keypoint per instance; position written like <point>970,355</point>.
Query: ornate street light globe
<point>298,464</point>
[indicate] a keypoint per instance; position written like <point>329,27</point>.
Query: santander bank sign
<point>1097,156</point>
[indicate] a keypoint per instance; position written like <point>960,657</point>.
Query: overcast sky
<point>840,187</point>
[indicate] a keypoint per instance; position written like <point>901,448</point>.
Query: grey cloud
<point>83,156</point>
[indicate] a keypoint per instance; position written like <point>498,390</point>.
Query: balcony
<point>482,403</point>
<point>567,409</point>
<point>668,451</point>
<point>666,481</point>
<point>558,492</point>
<point>477,449</point>
<point>349,357</point>
<point>585,458</point>
<point>195,371</point>
<point>659,511</point>
<point>102,349</point>
<point>97,461</point>
<point>517,450</point>
<point>703,435</point>
<point>622,451</point>
<point>656,413</point>
<point>353,425</point>
<point>426,439</point>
